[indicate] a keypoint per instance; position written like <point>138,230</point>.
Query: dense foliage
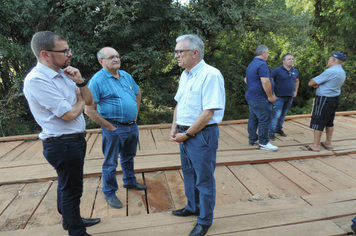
<point>144,33</point>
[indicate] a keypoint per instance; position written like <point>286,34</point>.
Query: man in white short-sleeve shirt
<point>200,107</point>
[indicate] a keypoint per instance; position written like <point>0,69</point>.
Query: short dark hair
<point>44,40</point>
<point>285,55</point>
<point>260,49</point>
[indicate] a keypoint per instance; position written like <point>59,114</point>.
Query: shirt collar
<point>196,68</point>
<point>260,59</point>
<point>109,75</point>
<point>48,71</point>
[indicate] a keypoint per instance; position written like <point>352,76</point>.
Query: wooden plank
<point>97,146</point>
<point>228,188</point>
<point>92,167</point>
<point>146,140</point>
<point>243,223</point>
<point>6,147</point>
<point>36,149</point>
<point>332,197</point>
<point>46,213</point>
<point>231,136</point>
<point>344,164</point>
<point>242,129</point>
<point>166,218</point>
<point>344,223</point>
<point>136,200</point>
<point>296,130</point>
<point>8,193</point>
<point>344,125</point>
<point>309,169</point>
<point>14,153</point>
<point>346,119</point>
<point>176,186</point>
<point>317,228</point>
<point>17,214</point>
<point>90,190</point>
<point>159,139</point>
<point>279,180</point>
<point>158,194</point>
<point>255,182</point>
<point>333,174</point>
<point>305,182</point>
<point>101,207</point>
<point>91,141</point>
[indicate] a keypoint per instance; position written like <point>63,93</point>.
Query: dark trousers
<point>123,142</point>
<point>198,158</point>
<point>67,157</point>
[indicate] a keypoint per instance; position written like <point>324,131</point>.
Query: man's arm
<point>174,128</point>
<point>198,125</point>
<point>138,101</point>
<point>296,86</point>
<point>90,110</point>
<point>77,108</point>
<point>313,84</point>
<point>74,74</point>
<point>267,87</point>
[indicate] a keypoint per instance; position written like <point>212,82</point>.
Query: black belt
<point>70,136</point>
<point>185,128</point>
<point>119,123</point>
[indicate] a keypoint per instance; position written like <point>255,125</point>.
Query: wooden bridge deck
<point>288,192</point>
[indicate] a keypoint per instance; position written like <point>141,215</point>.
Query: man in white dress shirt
<point>57,98</point>
<point>200,107</point>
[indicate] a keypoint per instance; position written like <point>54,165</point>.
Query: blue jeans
<point>198,158</point>
<point>260,117</point>
<point>280,109</point>
<point>122,141</point>
<point>67,157</point>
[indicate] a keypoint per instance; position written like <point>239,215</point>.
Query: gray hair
<point>100,54</point>
<point>260,49</point>
<point>285,55</point>
<point>44,40</point>
<point>194,42</point>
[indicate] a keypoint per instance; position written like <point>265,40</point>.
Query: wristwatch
<point>189,135</point>
<point>82,84</point>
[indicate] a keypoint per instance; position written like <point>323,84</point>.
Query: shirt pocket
<point>194,100</point>
<point>130,90</point>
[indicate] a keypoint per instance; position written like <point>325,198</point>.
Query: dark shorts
<point>324,109</point>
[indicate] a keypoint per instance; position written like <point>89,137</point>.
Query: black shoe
<point>114,202</point>
<point>87,223</point>
<point>272,137</point>
<point>353,229</point>
<point>184,212</point>
<point>281,133</point>
<point>136,186</point>
<point>199,230</point>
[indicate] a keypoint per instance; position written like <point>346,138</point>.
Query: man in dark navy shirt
<point>286,83</point>
<point>259,96</point>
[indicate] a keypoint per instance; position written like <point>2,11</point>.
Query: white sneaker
<point>268,147</point>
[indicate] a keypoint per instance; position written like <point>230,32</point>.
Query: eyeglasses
<point>290,73</point>
<point>112,58</point>
<point>179,52</point>
<point>65,52</point>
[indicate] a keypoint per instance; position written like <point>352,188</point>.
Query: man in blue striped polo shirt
<point>117,100</point>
